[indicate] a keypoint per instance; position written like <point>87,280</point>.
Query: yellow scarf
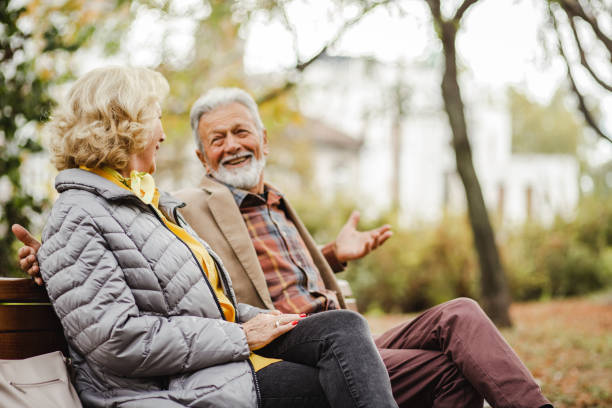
<point>140,183</point>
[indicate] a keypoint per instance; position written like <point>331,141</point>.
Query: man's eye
<point>216,141</point>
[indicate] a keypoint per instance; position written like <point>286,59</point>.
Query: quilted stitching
<point>131,298</point>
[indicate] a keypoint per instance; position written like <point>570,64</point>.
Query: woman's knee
<point>346,319</point>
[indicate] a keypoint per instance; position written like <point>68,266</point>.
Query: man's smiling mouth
<point>236,161</point>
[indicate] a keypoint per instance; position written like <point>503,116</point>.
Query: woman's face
<point>145,160</point>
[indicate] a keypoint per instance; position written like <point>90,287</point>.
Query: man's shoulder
<point>189,192</point>
<point>207,187</point>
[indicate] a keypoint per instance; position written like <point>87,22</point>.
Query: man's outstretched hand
<point>352,244</point>
<point>27,253</point>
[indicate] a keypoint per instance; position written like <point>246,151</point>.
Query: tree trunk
<point>396,148</point>
<point>494,290</point>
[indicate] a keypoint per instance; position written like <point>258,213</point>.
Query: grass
<point>567,345</point>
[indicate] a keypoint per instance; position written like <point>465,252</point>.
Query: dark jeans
<point>337,349</point>
<point>451,356</point>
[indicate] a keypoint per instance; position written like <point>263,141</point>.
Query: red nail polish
<point>303,315</point>
<point>294,322</point>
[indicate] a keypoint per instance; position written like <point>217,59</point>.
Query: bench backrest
<point>28,324</point>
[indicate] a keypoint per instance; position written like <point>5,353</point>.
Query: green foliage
<point>417,268</point>
<point>24,99</point>
<point>537,128</point>
<point>27,52</point>
<point>420,267</point>
<point>569,258</point>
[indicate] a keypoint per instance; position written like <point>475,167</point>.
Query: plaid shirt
<point>292,277</point>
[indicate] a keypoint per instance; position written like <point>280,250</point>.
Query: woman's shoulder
<point>72,207</point>
<point>82,201</point>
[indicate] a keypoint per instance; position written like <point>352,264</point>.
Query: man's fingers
<point>38,280</point>
<point>354,219</point>
<point>25,251</point>
<point>33,271</point>
<point>383,237</point>
<point>24,236</point>
<point>26,262</point>
<point>383,229</point>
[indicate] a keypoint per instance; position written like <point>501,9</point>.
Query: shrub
<point>420,267</point>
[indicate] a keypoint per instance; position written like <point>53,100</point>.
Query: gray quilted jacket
<point>143,324</point>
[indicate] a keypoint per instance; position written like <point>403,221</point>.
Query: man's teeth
<point>237,160</point>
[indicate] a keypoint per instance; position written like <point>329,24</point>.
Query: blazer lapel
<point>228,218</point>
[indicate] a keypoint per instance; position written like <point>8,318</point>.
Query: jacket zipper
<point>253,373</point>
<point>256,382</point>
<point>196,261</point>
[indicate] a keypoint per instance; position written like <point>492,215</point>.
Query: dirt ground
<point>567,345</point>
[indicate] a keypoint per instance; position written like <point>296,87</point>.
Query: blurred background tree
<point>539,128</point>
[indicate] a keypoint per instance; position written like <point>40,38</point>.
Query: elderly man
<point>449,356</point>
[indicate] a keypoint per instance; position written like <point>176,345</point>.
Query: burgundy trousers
<point>452,355</point>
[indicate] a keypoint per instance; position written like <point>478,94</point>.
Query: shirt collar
<point>244,198</point>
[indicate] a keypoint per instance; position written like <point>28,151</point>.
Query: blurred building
<point>333,158</point>
<point>397,113</point>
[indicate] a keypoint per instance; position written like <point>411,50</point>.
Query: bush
<point>421,267</point>
<point>417,269</point>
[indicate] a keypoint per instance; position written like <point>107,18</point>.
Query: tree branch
<point>583,59</point>
<point>300,66</point>
<point>581,102</point>
<point>275,93</point>
<point>292,30</point>
<point>573,9</point>
<point>434,6</point>
<point>462,9</point>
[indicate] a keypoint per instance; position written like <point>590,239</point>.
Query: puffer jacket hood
<point>144,327</point>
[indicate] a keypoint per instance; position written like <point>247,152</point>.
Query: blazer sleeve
<point>101,319</point>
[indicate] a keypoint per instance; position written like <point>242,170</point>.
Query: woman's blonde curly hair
<point>107,117</point>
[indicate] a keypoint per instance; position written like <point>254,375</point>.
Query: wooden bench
<point>349,300</point>
<point>28,324</point>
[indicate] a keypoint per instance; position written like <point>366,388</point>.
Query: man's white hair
<point>215,98</point>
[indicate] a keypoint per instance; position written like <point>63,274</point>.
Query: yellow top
<point>143,186</point>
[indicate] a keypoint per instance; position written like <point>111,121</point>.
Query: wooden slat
<point>21,289</point>
<point>28,317</point>
<point>28,344</point>
<point>26,329</point>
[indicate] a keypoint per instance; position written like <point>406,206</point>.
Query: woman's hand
<point>265,327</point>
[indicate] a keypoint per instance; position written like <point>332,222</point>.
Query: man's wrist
<point>331,255</point>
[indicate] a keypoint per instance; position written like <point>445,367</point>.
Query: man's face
<point>234,149</point>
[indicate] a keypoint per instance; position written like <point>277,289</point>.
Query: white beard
<point>245,177</point>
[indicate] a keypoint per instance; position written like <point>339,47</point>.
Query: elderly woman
<point>147,308</point>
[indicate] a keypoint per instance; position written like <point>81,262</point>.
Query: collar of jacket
<point>212,185</point>
<point>84,180</point>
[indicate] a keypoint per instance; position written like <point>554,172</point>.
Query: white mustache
<point>236,156</point>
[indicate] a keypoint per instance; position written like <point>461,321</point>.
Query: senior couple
<point>222,298</point>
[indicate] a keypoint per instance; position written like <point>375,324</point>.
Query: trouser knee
<point>465,308</point>
<point>346,322</point>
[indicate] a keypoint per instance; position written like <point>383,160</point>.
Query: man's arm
<point>27,253</point>
<point>352,244</point>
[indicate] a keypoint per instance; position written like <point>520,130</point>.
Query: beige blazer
<point>213,214</point>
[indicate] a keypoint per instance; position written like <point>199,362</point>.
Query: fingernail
<point>303,315</point>
<point>294,322</point>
